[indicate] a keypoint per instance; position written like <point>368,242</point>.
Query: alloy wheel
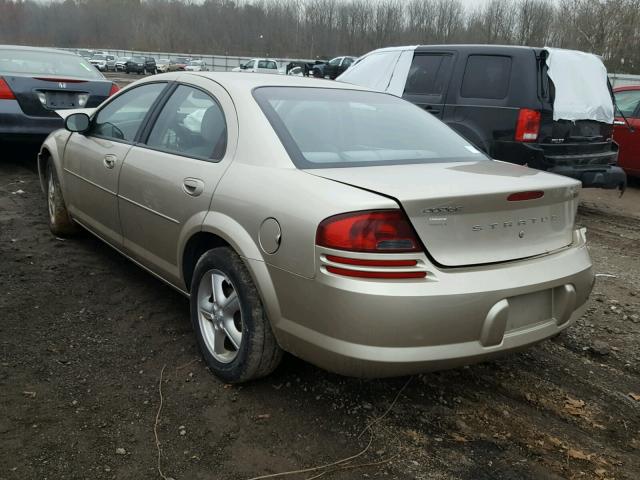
<point>51,197</point>
<point>219,315</point>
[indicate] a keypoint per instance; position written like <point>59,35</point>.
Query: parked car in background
<point>509,103</point>
<point>120,63</point>
<point>182,62</point>
<point>84,53</point>
<point>333,68</point>
<point>165,65</point>
<point>258,65</point>
<point>626,128</point>
<point>103,62</point>
<point>197,66</point>
<point>296,72</point>
<point>142,65</point>
<point>37,82</point>
<point>415,251</point>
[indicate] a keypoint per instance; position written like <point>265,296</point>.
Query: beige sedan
<point>345,226</point>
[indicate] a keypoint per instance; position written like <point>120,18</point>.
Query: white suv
<point>259,65</point>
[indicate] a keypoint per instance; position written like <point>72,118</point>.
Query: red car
<point>628,101</point>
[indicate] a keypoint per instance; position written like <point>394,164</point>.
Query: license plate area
<point>61,100</point>
<point>529,309</point>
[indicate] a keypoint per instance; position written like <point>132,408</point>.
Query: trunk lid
<point>40,96</point>
<point>461,213</point>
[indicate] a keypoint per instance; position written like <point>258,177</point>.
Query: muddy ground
<point>85,335</point>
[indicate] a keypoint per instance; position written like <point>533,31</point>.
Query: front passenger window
<point>121,118</point>
<point>192,124</point>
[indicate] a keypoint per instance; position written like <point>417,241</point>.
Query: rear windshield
<point>326,127</point>
<point>33,62</point>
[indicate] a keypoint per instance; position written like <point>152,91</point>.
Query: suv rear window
<point>486,76</point>
<point>327,127</point>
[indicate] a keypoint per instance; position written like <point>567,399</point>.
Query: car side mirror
<point>77,122</point>
<point>243,66</point>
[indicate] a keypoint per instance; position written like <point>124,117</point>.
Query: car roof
<point>37,49</point>
<point>461,46</point>
<point>238,83</point>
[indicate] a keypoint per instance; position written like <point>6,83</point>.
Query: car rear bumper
<point>380,328</point>
<point>593,163</point>
<point>607,176</point>
<point>15,125</point>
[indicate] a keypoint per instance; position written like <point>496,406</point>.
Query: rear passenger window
<point>428,75</point>
<point>267,64</point>
<point>191,123</point>
<point>486,76</point>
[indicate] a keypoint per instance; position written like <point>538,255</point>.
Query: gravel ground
<point>85,337</point>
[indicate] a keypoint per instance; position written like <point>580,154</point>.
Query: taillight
<point>5,91</point>
<point>382,231</point>
<point>114,89</point>
<point>528,126</point>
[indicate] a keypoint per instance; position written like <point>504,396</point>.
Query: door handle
<point>618,122</point>
<point>110,160</point>
<point>192,186</point>
<point>432,110</point>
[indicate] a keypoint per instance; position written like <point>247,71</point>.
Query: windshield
<point>99,57</point>
<point>138,59</point>
<point>34,62</point>
<point>325,127</point>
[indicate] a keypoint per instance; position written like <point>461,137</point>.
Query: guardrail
<point>216,63</point>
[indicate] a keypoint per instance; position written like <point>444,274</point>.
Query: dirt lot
<point>85,336</point>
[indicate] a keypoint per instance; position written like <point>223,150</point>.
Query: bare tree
<point>324,28</point>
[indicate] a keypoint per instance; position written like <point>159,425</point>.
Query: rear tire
<point>60,222</point>
<point>231,326</point>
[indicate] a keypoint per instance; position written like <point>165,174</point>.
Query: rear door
<point>428,80</point>
<point>628,102</point>
<point>168,179</point>
<point>92,161</point>
<point>479,105</point>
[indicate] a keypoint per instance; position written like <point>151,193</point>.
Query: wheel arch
<point>49,152</point>
<point>219,230</point>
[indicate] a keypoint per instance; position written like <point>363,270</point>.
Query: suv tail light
<point>381,231</point>
<point>528,126</point>
<point>5,91</point>
<point>114,89</point>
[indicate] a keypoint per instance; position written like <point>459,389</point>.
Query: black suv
<point>501,99</point>
<point>332,68</point>
<point>141,65</point>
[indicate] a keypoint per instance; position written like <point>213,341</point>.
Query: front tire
<point>60,222</point>
<point>231,326</point>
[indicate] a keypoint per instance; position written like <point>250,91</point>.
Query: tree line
<point>324,28</point>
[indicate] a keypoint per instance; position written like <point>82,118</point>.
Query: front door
<point>427,81</point>
<point>628,102</point>
<point>93,160</point>
<point>168,179</point>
